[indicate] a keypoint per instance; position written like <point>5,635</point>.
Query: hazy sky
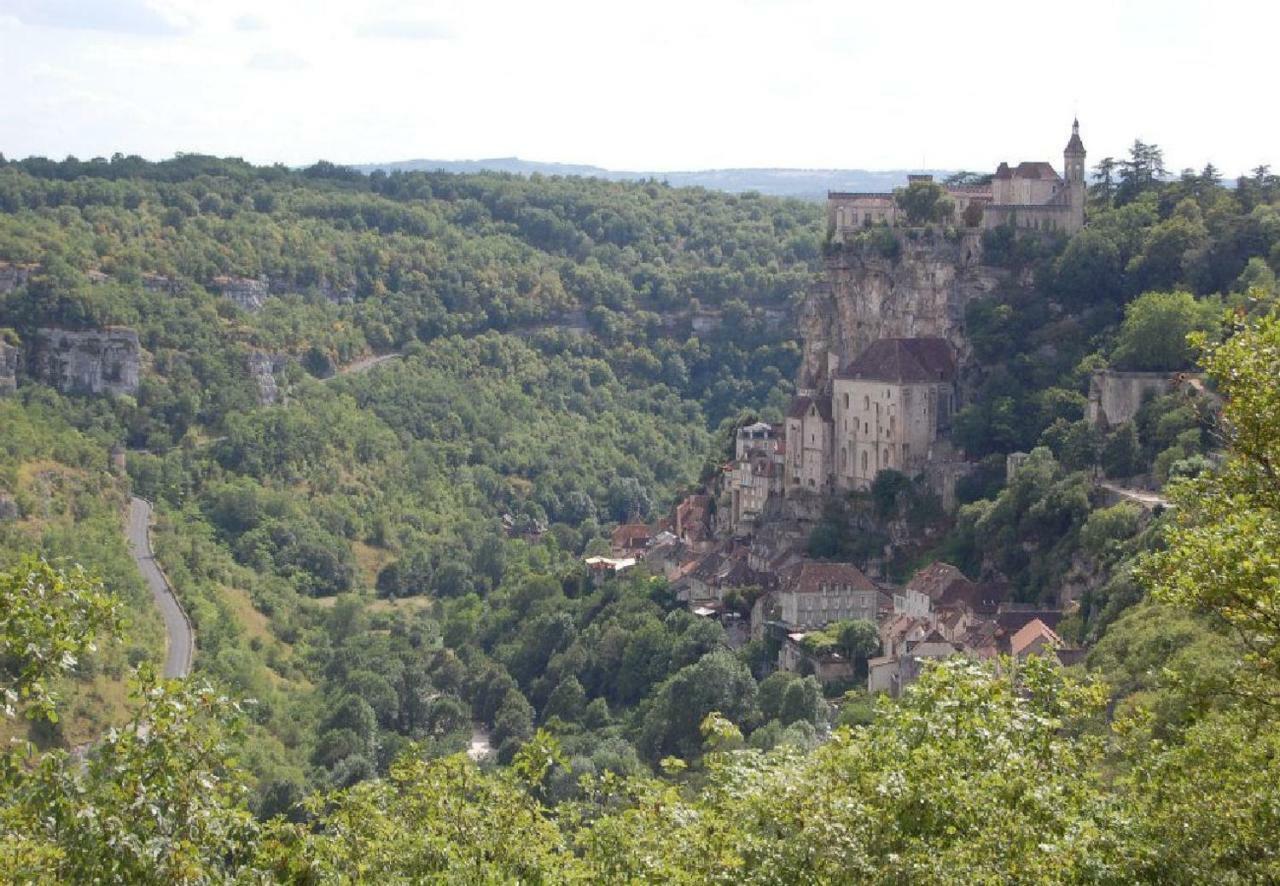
<point>652,85</point>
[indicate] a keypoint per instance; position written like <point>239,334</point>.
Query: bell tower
<point>1073,169</point>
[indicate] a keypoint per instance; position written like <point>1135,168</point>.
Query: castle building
<point>1028,196</point>
<point>883,411</point>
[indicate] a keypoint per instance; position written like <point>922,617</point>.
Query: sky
<point>653,86</point>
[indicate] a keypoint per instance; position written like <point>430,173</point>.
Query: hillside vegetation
<point>384,560</point>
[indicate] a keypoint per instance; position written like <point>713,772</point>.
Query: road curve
<point>181,639</point>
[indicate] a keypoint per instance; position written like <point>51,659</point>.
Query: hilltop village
<point>875,396</point>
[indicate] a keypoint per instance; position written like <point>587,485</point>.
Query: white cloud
<point>277,60</point>
<point>405,29</point>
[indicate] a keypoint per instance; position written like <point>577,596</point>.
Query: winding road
<point>181,639</point>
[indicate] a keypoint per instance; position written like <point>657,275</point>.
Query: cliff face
<point>263,368</point>
<point>94,361</point>
<point>8,368</point>
<point>866,296</point>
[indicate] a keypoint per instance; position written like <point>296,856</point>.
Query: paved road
<point>1148,500</point>
<point>181,639</point>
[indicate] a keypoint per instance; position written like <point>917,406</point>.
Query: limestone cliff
<point>9,355</point>
<point>92,361</point>
<point>263,368</point>
<point>867,294</point>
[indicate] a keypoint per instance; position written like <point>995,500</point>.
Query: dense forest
<point>381,559</point>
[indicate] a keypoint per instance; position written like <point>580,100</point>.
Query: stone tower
<point>1073,172</point>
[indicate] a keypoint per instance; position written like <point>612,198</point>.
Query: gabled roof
<point>904,360</point>
<point>800,407</point>
<point>1029,633</point>
<point>939,581</point>
<point>630,535</point>
<point>1035,169</point>
<point>809,577</point>
<point>1013,621</point>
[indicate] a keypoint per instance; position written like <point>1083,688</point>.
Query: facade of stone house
<point>815,594</point>
<point>888,408</point>
<point>809,431</point>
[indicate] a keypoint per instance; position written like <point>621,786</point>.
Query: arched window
<point>866,402</point>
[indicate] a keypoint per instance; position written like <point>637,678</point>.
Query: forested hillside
<point>566,349</point>
<point>380,558</point>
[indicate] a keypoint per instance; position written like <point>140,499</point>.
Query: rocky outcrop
<point>9,355</point>
<point>14,274</point>
<point>263,367</point>
<point>247,292</point>
<point>339,292</point>
<point>867,295</point>
<point>93,361</point>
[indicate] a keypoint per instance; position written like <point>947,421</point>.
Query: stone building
<point>1029,196</point>
<point>809,443</point>
<point>889,406</point>
<point>886,410</point>
<point>1115,397</point>
<point>755,477</point>
<point>815,594</point>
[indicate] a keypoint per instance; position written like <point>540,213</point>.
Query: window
<point>846,401</point>
<point>886,458</point>
<point>893,421</point>
<point>866,402</point>
<point>866,428</point>
<point>864,461</point>
<point>844,458</point>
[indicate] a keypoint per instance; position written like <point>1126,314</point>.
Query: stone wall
<point>865,296</point>
<point>1115,397</point>
<point>94,361</point>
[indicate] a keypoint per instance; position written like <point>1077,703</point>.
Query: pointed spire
<point>1075,146</point>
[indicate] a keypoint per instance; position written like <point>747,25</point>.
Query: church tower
<point>1073,168</point>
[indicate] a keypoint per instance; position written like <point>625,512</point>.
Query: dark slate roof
<point>1035,169</point>
<point>904,360</point>
<point>809,577</point>
<point>800,407</point>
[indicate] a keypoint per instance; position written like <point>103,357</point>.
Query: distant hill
<point>809,184</point>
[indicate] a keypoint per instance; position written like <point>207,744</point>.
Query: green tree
<point>924,202</point>
<point>1224,544</point>
<point>1155,330</point>
<point>48,619</point>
